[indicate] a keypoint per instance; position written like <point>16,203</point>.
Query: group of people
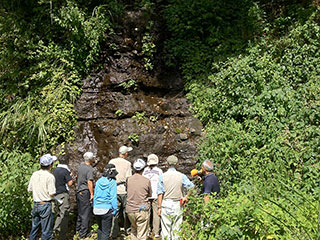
<point>147,201</point>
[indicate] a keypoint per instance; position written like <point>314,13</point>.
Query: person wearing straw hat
<point>153,173</point>
<point>42,186</point>
<point>138,191</point>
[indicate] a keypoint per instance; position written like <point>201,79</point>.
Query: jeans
<point>42,216</point>
<point>84,213</point>
<point>105,223</point>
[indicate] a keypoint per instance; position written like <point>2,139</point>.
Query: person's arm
<point>90,186</point>
<point>52,186</point>
<point>129,171</point>
<point>150,189</point>
<point>160,194</point>
<point>68,178</point>
<point>187,184</point>
<point>30,185</point>
<point>70,183</point>
<point>206,198</point>
<point>160,197</point>
<point>114,201</point>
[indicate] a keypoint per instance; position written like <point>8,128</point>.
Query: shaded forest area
<point>251,74</point>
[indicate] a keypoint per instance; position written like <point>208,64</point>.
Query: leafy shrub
<point>249,215</point>
<point>38,89</point>
<point>15,201</point>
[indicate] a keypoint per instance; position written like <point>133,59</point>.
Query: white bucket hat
<point>152,159</point>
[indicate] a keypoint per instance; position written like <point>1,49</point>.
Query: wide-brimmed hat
<point>139,164</point>
<point>110,171</point>
<point>152,160</point>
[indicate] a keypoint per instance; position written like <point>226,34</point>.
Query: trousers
<point>42,216</point>
<point>139,225</point>
<point>84,213</point>
<point>171,219</point>
<point>62,215</point>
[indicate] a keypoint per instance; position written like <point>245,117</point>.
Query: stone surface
<point>154,110</point>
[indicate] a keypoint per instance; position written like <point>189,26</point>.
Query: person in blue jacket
<point>105,203</point>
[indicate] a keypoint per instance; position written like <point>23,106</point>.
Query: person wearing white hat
<point>153,173</point>
<point>42,186</point>
<point>123,168</point>
<point>139,190</point>
<point>85,194</point>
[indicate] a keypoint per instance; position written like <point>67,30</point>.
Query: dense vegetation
<point>47,49</point>
<point>251,72</point>
<point>252,78</point>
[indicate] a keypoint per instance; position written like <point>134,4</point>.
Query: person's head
<point>153,160</point>
<point>88,157</point>
<point>124,151</point>
<point>110,171</point>
<point>172,161</point>
<point>64,159</point>
<point>46,161</point>
<point>207,166</point>
<point>139,165</point>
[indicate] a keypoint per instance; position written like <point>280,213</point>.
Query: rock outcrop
<point>123,103</point>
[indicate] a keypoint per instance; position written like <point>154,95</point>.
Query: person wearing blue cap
<point>42,186</point>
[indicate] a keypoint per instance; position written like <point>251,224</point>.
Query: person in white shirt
<point>153,173</point>
<point>42,186</point>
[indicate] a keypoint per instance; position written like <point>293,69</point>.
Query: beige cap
<point>124,149</point>
<point>172,160</point>
<point>152,159</point>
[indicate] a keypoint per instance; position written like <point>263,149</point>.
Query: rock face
<point>125,104</point>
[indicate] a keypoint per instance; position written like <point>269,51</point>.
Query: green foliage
<point>15,202</point>
<point>153,118</point>
<point>140,117</point>
<point>252,79</point>
<point>43,60</point>
<point>119,113</point>
<point>134,138</point>
<point>148,50</point>
<point>130,84</point>
<point>290,215</point>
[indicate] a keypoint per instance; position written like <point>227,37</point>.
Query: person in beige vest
<point>170,199</point>
<point>124,170</point>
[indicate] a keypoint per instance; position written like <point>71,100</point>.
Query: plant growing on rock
<point>130,84</point>
<point>134,138</point>
<point>140,117</point>
<point>119,113</point>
